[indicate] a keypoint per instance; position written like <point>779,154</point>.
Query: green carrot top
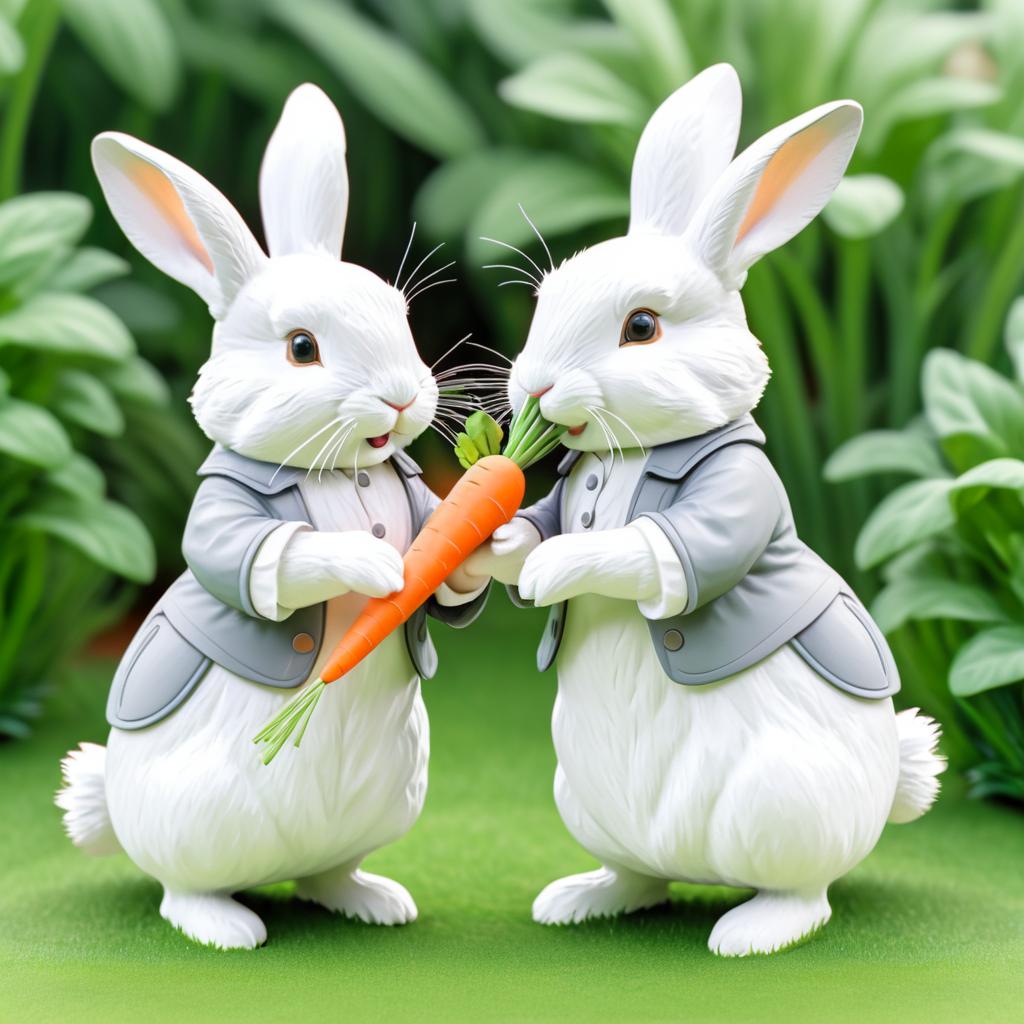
<point>530,437</point>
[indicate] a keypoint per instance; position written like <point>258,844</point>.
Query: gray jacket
<point>752,584</point>
<point>207,614</point>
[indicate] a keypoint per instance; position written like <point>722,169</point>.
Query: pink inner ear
<point>788,163</point>
<point>166,201</point>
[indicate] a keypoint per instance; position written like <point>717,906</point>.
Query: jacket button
<point>378,530</point>
<point>592,481</point>
<point>586,519</point>
<point>672,640</point>
<point>363,479</point>
<point>302,643</point>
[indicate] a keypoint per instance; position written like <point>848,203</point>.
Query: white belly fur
<point>194,806</point>
<point>772,779</point>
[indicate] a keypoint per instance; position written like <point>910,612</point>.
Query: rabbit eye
<point>640,327</point>
<point>303,349</point>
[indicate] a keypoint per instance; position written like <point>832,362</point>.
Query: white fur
<point>188,798</point>
<point>83,799</point>
<point>773,779</point>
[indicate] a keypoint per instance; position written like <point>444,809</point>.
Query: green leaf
<point>108,533</point>
<point>137,380</point>
<point>83,399</point>
<point>79,477</point>
<point>133,43</point>
<point>659,37</point>
<point>466,450</point>
<point>969,162</point>
<point>31,434</point>
<point>572,87</point>
<point>394,82</point>
<point>965,398</point>
<point>925,97</point>
<point>518,31</point>
<point>5,382</point>
<point>35,226</point>
<point>993,658</point>
<point>863,205</point>
<point>996,474</point>
<point>884,451</point>
<point>12,49</point>
<point>1014,337</point>
<point>560,195</point>
<point>908,515</point>
<point>450,197</point>
<point>485,432</point>
<point>87,268</point>
<point>69,324</point>
<point>914,599</point>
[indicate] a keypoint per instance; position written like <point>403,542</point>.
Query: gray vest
<point>207,614</point>
<point>752,584</point>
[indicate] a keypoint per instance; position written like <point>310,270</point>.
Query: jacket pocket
<point>157,673</point>
<point>844,645</point>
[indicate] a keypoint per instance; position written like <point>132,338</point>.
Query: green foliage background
<point>456,112</point>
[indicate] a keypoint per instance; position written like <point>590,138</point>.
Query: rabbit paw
<point>373,899</point>
<point>602,893</point>
<point>557,570</point>
<point>213,919</point>
<point>768,923</point>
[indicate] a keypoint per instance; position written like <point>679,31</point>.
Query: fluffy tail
<point>920,766</point>
<point>83,799</point>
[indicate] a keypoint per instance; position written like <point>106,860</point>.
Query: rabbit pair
<point>313,389</point>
<point>724,711</point>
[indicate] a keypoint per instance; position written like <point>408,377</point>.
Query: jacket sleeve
<point>225,528</point>
<point>546,516</point>
<point>722,521</point>
<point>453,612</point>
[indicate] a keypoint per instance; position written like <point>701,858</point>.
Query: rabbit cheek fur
<point>771,779</point>
<point>188,798</point>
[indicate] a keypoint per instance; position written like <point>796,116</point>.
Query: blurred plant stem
<point>38,25</point>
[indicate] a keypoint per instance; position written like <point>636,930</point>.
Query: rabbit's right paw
<point>213,919</point>
<point>372,899</point>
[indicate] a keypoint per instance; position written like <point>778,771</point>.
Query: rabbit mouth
<point>577,430</point>
<point>379,442</point>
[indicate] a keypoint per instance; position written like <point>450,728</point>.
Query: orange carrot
<point>487,496</point>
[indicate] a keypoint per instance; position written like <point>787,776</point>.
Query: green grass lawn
<point>930,928</point>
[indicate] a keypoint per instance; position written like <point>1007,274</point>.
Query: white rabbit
<point>313,387</point>
<point>767,776</point>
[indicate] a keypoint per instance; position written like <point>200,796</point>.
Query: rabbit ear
<point>773,189</point>
<point>176,219</point>
<point>303,181</point>
<point>684,149</point>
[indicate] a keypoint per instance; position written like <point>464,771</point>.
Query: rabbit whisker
<point>493,351</point>
<point>513,280</point>
<point>433,284</point>
<point>327,444</point>
<point>408,246</point>
<point>433,273</point>
<point>536,231</point>
<point>415,269</point>
<point>338,448</point>
<point>308,440</point>
<point>461,341</point>
<point>498,241</point>
<point>608,412</point>
<point>509,266</point>
<point>603,427</point>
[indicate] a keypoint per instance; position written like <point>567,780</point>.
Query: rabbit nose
<point>400,408</point>
<point>543,391</point>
